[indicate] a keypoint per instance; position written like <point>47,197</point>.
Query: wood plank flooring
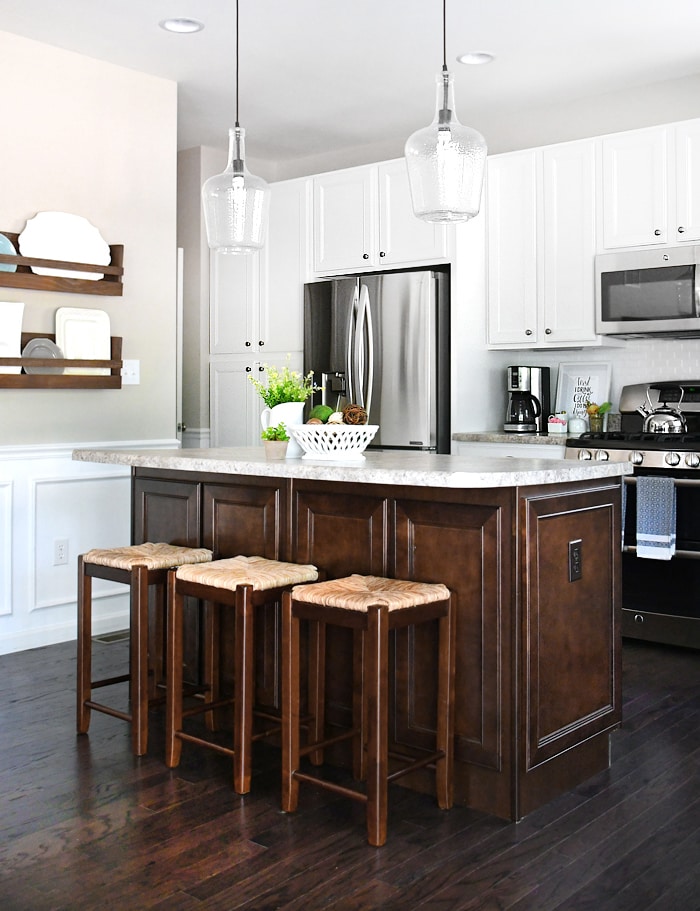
<point>84,825</point>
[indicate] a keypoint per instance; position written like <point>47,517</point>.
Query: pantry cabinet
<point>363,219</point>
<point>651,187</point>
<point>541,242</point>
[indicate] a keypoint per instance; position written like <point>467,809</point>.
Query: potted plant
<point>275,440</point>
<point>284,395</point>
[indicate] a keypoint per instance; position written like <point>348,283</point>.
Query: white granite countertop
<point>500,436</point>
<point>414,469</point>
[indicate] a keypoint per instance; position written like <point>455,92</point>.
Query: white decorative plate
<point>84,334</point>
<point>41,348</point>
<point>71,238</point>
<point>11,313</point>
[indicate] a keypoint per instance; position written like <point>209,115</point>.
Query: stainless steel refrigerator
<point>382,341</point>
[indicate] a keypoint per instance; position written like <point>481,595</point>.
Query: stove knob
<point>672,458</point>
<point>583,455</point>
<point>636,458</point>
<point>601,455</point>
<point>692,460</point>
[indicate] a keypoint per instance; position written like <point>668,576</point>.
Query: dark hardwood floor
<point>84,825</point>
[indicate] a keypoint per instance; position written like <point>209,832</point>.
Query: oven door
<point>660,599</point>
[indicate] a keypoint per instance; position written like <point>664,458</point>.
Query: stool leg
<point>359,706</point>
<point>376,684</point>
<point>84,681</point>
<point>138,643</point>
<point>317,687</point>
<point>173,689</point>
<point>243,690</point>
<point>444,784</point>
<point>212,668</point>
<point>290,705</point>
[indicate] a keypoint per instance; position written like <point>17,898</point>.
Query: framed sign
<point>581,383</point>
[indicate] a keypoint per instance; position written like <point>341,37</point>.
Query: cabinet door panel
<point>568,231</point>
<point>512,249</point>
<point>281,304</point>
<point>234,303</point>
<point>687,224</point>
<point>234,403</point>
<point>570,629</point>
<point>403,238</point>
<point>344,236</point>
<point>635,194</point>
<point>166,511</point>
<point>458,545</point>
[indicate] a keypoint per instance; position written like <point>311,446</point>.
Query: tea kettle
<point>664,419</point>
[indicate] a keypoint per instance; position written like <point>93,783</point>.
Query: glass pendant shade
<point>446,163</point>
<point>236,203</point>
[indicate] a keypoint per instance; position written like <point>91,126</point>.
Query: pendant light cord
<point>444,35</point>
<point>237,56</point>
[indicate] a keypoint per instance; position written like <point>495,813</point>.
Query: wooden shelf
<point>110,285</point>
<point>60,380</point>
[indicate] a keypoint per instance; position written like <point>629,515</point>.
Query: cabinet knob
<point>365,256</point>
<point>657,233</point>
<point>681,230</point>
<point>528,332</point>
<point>261,368</point>
<point>248,369</point>
<point>547,331</point>
<point>261,343</point>
<point>382,253</point>
<point>247,344</point>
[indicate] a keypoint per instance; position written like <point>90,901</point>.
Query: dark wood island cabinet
<point>531,549</point>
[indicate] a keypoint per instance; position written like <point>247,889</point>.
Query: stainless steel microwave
<point>649,293</point>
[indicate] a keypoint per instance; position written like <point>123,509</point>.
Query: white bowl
<point>333,442</point>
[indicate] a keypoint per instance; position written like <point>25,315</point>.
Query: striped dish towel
<point>656,518</point>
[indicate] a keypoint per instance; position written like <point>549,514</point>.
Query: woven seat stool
<point>242,583</point>
<point>139,566</point>
<point>371,606</point>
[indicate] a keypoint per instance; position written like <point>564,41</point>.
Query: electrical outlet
<point>575,560</point>
<point>131,373</point>
<point>60,552</point>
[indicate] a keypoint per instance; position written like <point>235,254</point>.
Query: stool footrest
<point>108,681</point>
<point>216,747</point>
<point>413,763</point>
<point>107,710</point>
<point>331,786</point>
<point>322,744</point>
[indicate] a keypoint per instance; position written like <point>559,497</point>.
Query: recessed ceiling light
<point>181,26</point>
<point>475,58</point>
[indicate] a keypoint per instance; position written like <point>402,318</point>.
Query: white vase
<point>287,413</point>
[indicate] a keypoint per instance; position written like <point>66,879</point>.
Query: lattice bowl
<point>335,442</point>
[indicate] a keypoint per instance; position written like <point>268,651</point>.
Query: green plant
<point>284,385</point>
<point>279,432</point>
<point>592,408</point>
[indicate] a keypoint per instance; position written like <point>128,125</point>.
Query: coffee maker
<point>528,400</point>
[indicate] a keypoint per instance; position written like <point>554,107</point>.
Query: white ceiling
<point>318,76</point>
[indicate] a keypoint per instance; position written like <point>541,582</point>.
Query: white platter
<point>71,238</point>
<point>11,313</point>
<point>41,348</point>
<point>7,247</point>
<point>84,334</point>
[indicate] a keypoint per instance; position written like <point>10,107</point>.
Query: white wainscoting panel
<point>6,488</point>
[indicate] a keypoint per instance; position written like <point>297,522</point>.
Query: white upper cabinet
<point>234,294</point>
<point>651,187</point>
<point>541,243</point>
<point>635,189</point>
<point>363,219</point>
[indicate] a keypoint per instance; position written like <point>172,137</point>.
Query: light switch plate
<point>131,371</point>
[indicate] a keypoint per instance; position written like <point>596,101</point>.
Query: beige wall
<point>96,140</point>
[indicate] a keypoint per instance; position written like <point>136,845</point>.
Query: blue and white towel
<point>656,518</point>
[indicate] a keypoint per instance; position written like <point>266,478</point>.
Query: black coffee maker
<point>528,400</point>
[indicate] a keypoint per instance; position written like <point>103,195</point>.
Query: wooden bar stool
<point>371,606</point>
<point>241,583</point>
<point>138,566</point>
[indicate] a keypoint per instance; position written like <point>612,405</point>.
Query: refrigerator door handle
<point>351,345</point>
<point>367,345</point>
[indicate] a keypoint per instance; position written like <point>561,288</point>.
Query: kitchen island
<point>530,547</point>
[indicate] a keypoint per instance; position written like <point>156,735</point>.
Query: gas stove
<point>667,451</point>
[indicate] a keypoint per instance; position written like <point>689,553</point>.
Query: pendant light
<point>445,160</point>
<point>236,202</point>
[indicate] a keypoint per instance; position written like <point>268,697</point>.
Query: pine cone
<point>354,414</point>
